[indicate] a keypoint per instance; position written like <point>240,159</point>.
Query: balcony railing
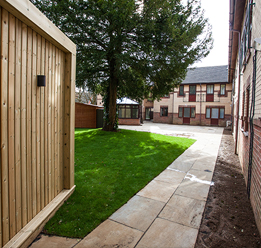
<point>202,97</point>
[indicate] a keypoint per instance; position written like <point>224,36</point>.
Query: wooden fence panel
<point>29,123</point>
<point>42,128</point>
<point>1,132</point>
<point>4,126</point>
<point>55,122</point>
<point>49,87</point>
<point>34,141</point>
<point>33,124</point>
<point>23,125</point>
<point>18,185</point>
<point>38,127</point>
<point>11,92</point>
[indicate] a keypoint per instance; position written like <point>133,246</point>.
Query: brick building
<point>203,98</point>
<point>245,75</point>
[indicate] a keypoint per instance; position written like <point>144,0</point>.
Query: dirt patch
<point>228,220</point>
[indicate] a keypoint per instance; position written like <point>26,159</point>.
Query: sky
<point>217,11</point>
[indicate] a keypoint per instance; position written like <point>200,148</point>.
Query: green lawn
<point>110,167</point>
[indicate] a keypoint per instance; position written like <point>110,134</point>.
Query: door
<point>192,93</point>
<point>214,116</point>
<point>186,116</point>
<point>148,114</point>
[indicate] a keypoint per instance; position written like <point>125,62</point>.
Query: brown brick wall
<point>193,121</point>
<point>162,119</point>
<point>129,121</point>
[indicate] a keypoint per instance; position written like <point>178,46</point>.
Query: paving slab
<point>167,234</point>
<point>110,235</point>
<point>205,175</point>
<point>158,190</point>
<point>139,212</point>
<point>171,176</point>
<point>205,163</point>
<point>184,210</point>
<point>54,242</point>
<point>183,164</point>
<point>193,189</point>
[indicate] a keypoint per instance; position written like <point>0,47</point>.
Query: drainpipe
<point>238,98</point>
<point>200,103</point>
<point>173,107</point>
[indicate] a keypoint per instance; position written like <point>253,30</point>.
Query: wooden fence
<point>37,123</point>
<point>85,115</point>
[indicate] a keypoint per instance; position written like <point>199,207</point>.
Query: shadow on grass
<point>110,167</point>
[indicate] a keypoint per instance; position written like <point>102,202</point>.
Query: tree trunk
<point>112,98</point>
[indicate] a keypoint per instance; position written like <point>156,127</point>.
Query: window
<point>180,112</point>
<point>246,35</point>
<point>192,93</point>
<point>192,89</point>
<point>187,112</point>
<point>222,113</point>
<point>165,96</point>
<point>222,89</point>
<point>128,111</point>
<point>245,110</point>
<point>163,111</point>
<point>181,90</point>
<point>215,112</point>
<point>210,89</point>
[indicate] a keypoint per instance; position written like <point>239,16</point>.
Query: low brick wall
<point>174,119</point>
<point>129,121</point>
<point>162,119</point>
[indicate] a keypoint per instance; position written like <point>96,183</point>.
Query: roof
<point>209,74</point>
<point>126,100</point>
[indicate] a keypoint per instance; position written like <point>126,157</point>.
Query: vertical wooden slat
<point>38,128</point>
<point>42,128</point>
<point>18,182</point>
<point>23,125</point>
<point>34,141</point>
<point>56,121</point>
<point>46,183</point>
<point>29,123</point>
<point>50,122</point>
<point>4,127</point>
<point>69,111</point>
<point>11,106</point>
<point>62,118</point>
<point>59,121</point>
<point>1,131</point>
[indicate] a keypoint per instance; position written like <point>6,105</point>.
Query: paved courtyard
<point>168,211</point>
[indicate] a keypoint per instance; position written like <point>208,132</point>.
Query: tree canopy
<point>131,48</point>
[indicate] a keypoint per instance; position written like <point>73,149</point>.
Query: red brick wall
<point>193,121</point>
<point>129,121</point>
<point>162,119</point>
<point>255,192</point>
<point>85,115</point>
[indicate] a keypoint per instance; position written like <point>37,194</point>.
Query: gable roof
<point>127,101</point>
<point>209,74</point>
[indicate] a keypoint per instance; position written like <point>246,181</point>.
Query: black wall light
<point>41,80</point>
